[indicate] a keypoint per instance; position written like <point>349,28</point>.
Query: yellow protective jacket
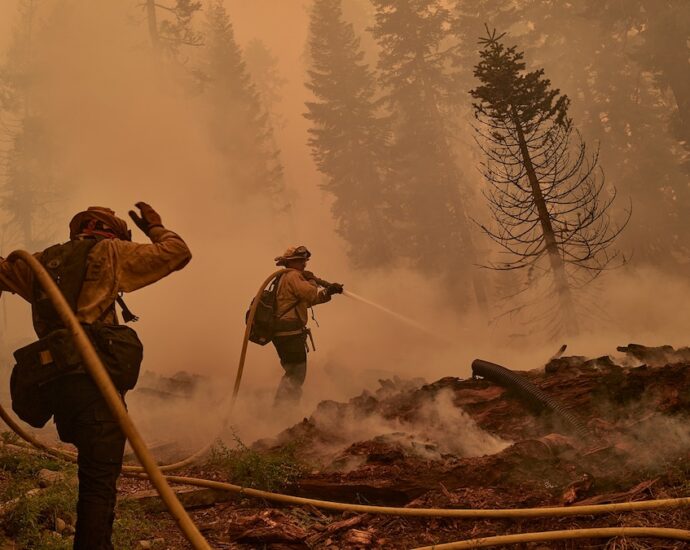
<point>113,266</point>
<point>295,294</point>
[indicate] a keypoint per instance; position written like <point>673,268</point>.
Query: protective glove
<point>149,217</point>
<point>334,288</point>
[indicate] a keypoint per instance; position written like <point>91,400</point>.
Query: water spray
<point>399,316</point>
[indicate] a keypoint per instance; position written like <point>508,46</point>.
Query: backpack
<point>264,326</point>
<point>55,354</point>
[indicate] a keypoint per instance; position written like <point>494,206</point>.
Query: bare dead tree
<point>546,193</point>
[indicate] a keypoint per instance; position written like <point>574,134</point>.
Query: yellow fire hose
<point>595,533</point>
<point>153,472</point>
<point>247,330</point>
<point>26,436</point>
<point>458,513</point>
<point>100,376</point>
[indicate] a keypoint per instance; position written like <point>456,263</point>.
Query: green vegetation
<point>32,520</point>
<point>9,436</point>
<point>132,525</point>
<point>22,471</point>
<point>270,470</point>
<point>32,514</point>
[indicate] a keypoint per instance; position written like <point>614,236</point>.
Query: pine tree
<point>468,21</point>
<point>421,95</point>
<point>347,137</point>
<point>263,68</point>
<point>239,125</point>
<point>545,192</point>
<point>662,46</point>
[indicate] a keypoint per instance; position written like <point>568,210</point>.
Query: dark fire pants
<point>83,418</point>
<point>292,351</point>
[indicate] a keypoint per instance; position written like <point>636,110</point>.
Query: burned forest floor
<point>452,443</point>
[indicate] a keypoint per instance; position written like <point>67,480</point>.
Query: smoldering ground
<point>122,132</point>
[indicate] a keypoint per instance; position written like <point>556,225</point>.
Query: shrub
<point>268,470</point>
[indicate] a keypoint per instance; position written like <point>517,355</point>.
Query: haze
<point>120,123</point>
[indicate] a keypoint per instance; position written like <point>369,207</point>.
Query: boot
<point>290,388</point>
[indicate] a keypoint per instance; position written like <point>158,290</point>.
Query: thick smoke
<point>123,131</point>
<point>438,428</point>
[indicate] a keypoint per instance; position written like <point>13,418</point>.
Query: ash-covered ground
<point>471,443</point>
<point>459,443</point>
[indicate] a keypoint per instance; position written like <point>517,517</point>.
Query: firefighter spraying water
<point>279,314</point>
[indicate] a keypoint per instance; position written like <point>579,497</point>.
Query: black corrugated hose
<point>528,391</point>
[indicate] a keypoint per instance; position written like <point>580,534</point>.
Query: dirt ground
<point>636,447</point>
<point>458,443</point>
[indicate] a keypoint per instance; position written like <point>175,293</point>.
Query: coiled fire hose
<point>90,357</point>
<point>101,378</point>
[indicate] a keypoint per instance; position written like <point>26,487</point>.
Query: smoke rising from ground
<point>437,428</point>
<point>123,131</point>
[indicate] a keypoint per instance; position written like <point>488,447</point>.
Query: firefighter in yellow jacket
<point>298,290</point>
<point>99,262</point>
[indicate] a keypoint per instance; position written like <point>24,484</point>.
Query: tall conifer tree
<point>421,95</point>
<point>239,124</point>
<point>347,136</point>
<point>263,67</point>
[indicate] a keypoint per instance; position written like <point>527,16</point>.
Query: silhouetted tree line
<point>403,197</point>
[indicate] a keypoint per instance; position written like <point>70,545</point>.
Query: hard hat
<point>105,220</point>
<point>293,253</point>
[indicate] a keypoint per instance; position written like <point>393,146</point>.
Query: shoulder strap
<point>288,310</point>
<point>66,265</point>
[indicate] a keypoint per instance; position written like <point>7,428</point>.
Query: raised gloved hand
<point>334,288</point>
<point>149,217</point>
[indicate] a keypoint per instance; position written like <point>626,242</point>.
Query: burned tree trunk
<point>550,244</point>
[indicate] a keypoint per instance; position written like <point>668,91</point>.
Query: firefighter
<point>92,269</point>
<point>298,290</point>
